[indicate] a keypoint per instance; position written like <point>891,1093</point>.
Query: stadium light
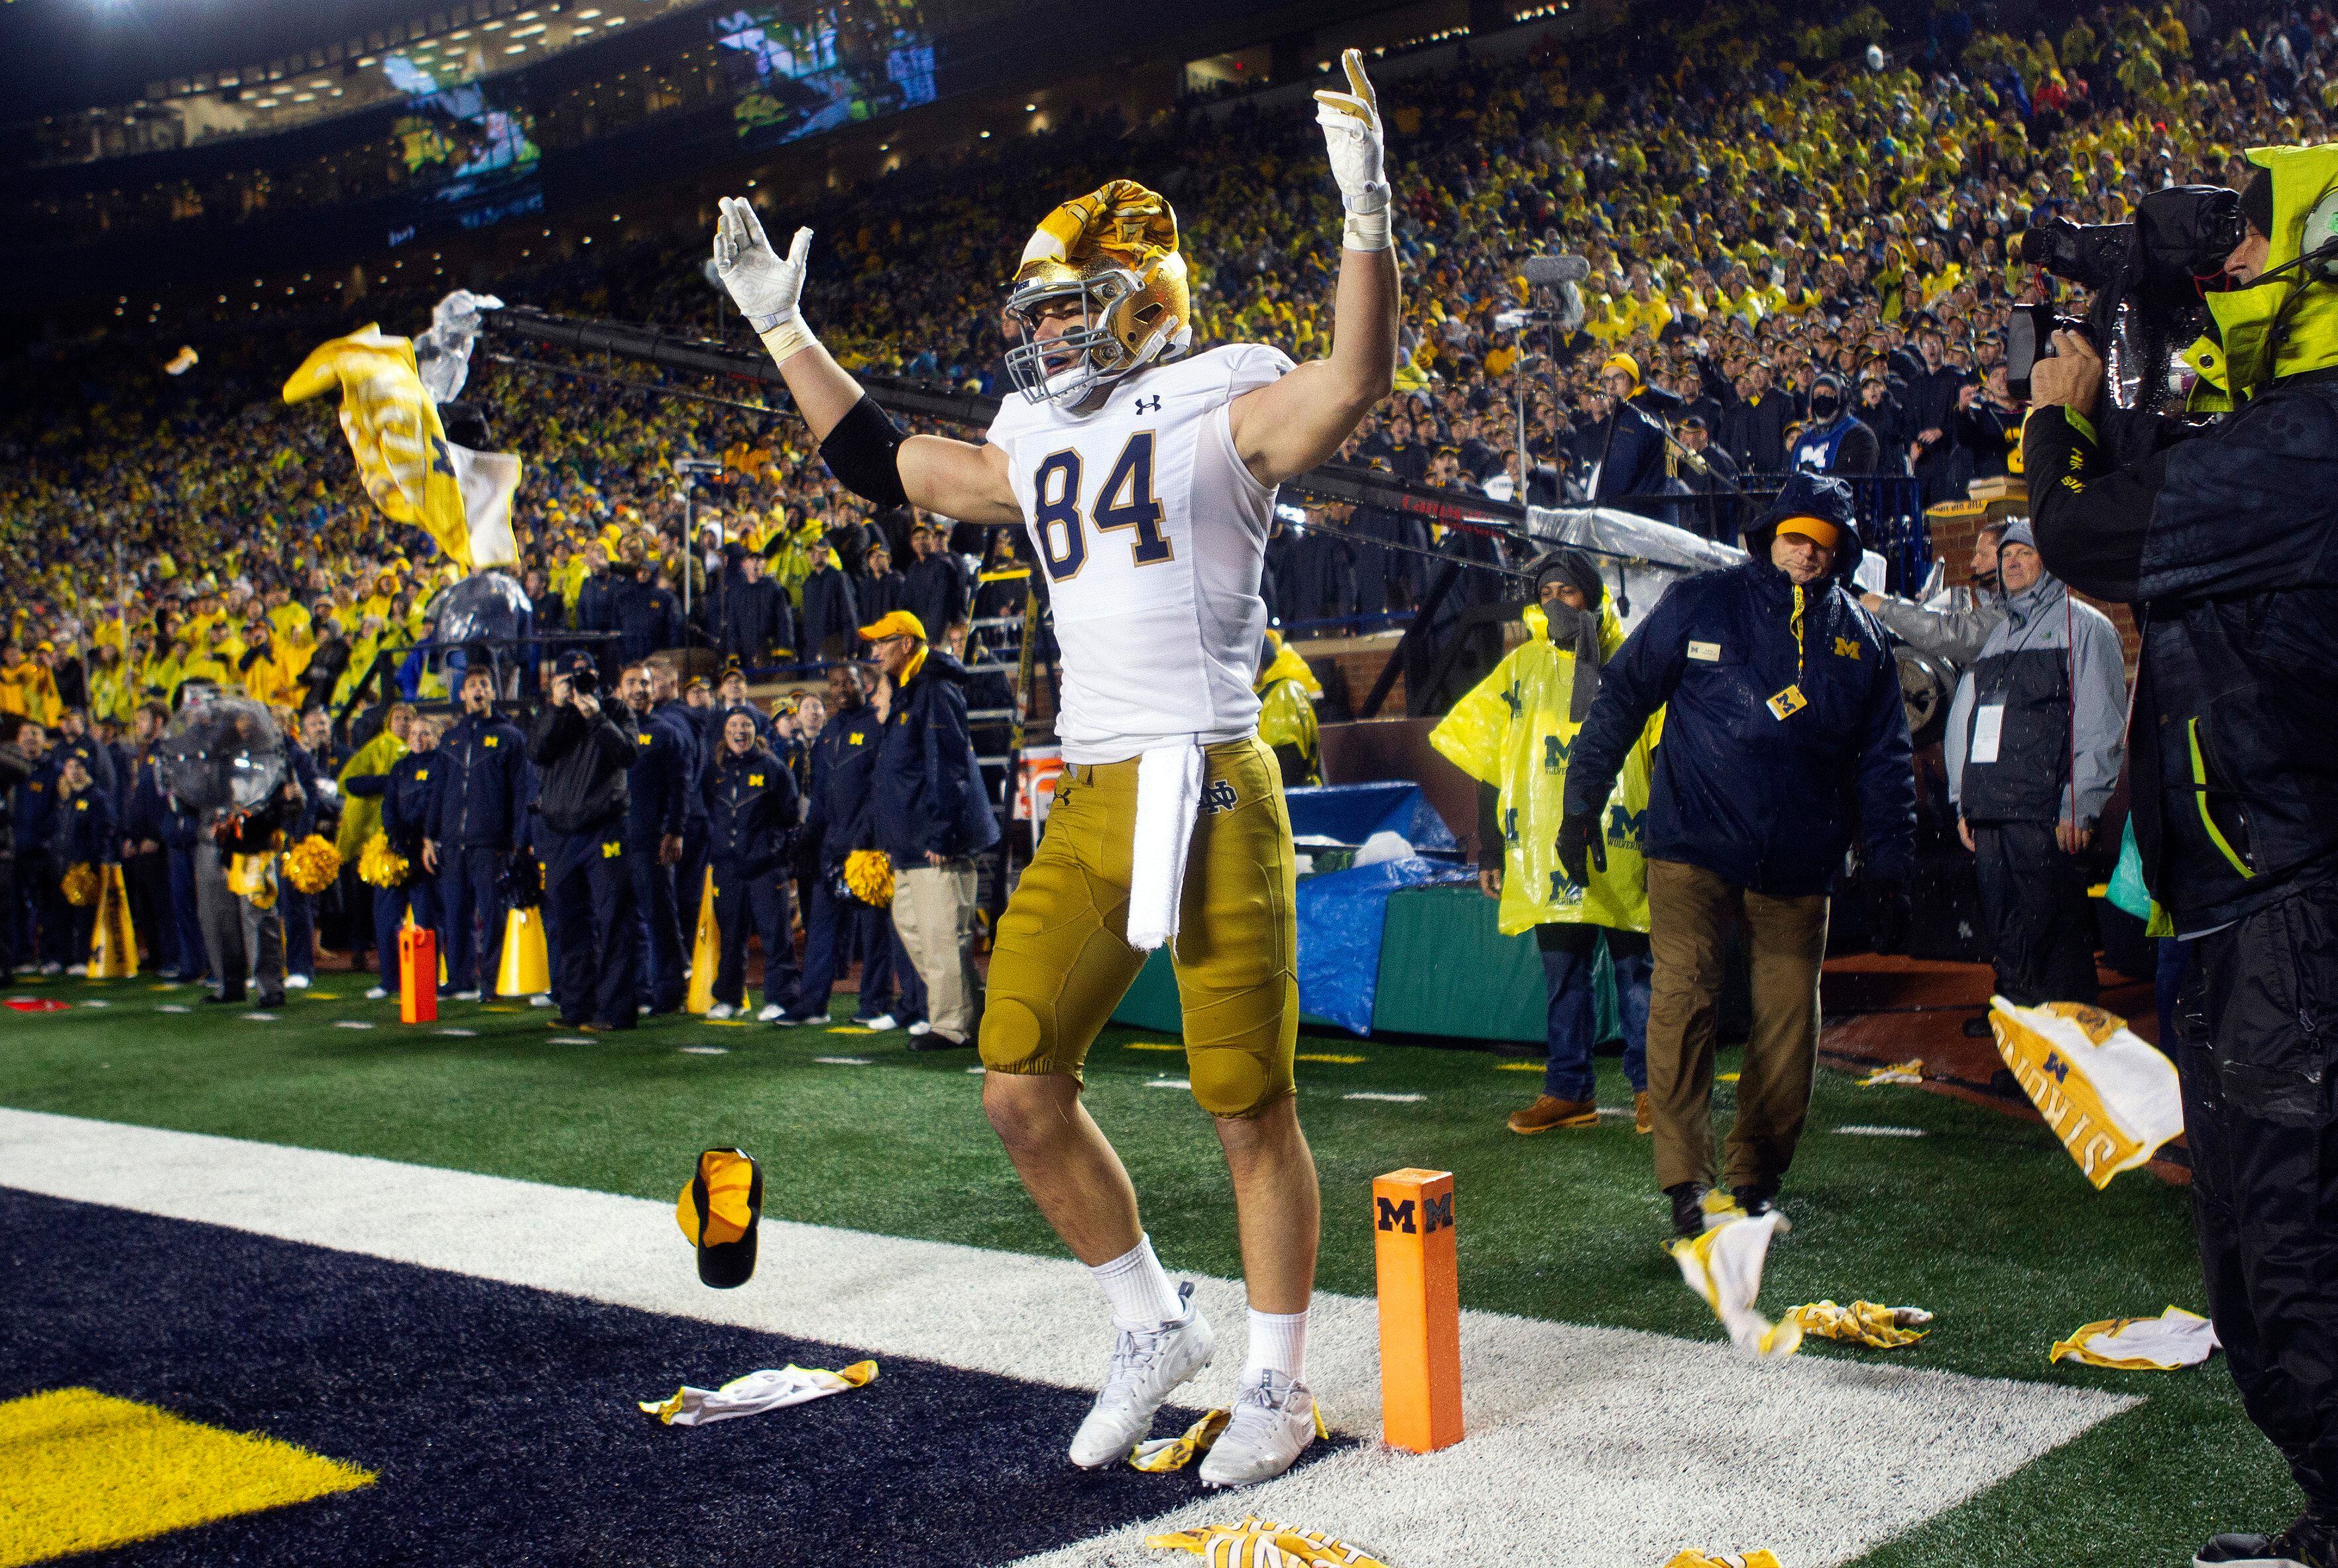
<point>514,48</point>
<point>1030,107</point>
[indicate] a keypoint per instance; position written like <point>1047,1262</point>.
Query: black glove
<point>1889,911</point>
<point>1580,840</point>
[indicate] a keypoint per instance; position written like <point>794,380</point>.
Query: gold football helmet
<point>1114,251</point>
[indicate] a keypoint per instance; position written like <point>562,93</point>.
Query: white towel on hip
<point>1168,793</point>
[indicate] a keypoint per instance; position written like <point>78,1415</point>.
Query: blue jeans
<point>1569,956</point>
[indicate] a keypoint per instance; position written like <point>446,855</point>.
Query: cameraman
<point>2227,545</point>
<point>582,752</point>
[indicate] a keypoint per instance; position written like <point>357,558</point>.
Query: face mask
<point>1824,408</point>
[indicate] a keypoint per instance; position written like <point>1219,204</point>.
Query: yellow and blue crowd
<point>1768,213</point>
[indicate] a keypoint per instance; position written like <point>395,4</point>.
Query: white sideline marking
<point>1654,1443</point>
<point>845,1061</point>
<point>1169,1084</point>
<point>706,1050</point>
<point>1863,1131</point>
<point>1390,1099</point>
<point>351,1024</point>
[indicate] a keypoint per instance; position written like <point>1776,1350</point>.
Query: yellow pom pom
<point>868,873</point>
<point>312,864</point>
<point>380,865</point>
<point>81,884</point>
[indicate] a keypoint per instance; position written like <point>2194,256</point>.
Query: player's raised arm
<point>1285,429</point>
<point>862,445</point>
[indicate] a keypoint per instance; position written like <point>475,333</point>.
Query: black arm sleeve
<point>1858,452</point>
<point>2090,519</point>
<point>863,451</point>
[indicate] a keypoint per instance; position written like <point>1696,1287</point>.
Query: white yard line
<point>1641,1444</point>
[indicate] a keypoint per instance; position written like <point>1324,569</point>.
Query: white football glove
<point>763,284</point>
<point>1352,136</point>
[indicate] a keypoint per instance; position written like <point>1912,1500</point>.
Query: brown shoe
<point>1644,1116</point>
<point>1549,1111</point>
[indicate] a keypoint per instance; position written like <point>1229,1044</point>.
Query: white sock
<point>1278,1342</point>
<point>1137,1288</point>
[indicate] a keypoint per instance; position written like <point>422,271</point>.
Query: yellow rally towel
<point>1695,1558</point>
<point>1909,1071</point>
<point>80,884</point>
<point>112,944</point>
<point>252,878</point>
<point>2162,1344</point>
<point>705,954</point>
<point>1863,1323</point>
<point>2110,1097</point>
<point>1256,1542</point>
<point>1724,1266</point>
<point>1120,220</point>
<point>462,498</point>
<point>1160,1456</point>
<point>771,1389</point>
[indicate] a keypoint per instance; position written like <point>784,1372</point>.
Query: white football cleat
<point>721,1010</point>
<point>882,1023</point>
<point>464,996</point>
<point>920,1027</point>
<point>78,971</point>
<point>376,993</point>
<point>1273,1421</point>
<point>541,999</point>
<point>1147,1366</point>
<point>769,1011</point>
<point>296,981</point>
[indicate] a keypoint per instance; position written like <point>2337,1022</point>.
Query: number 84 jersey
<point>1151,534</point>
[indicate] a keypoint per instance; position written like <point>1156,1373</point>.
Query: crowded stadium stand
<point>373,407</point>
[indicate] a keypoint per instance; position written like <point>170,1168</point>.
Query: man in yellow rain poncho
<point>1287,691</point>
<point>1513,734</point>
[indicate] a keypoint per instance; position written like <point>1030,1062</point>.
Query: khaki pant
<point>933,909</point>
<point>1690,911</point>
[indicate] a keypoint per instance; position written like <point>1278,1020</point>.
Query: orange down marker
<point>1421,1311</point>
<point>418,975</point>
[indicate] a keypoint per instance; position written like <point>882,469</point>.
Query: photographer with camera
<point>2226,541</point>
<point>582,752</point>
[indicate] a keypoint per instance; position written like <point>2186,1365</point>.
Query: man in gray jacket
<point>2033,744</point>
<point>1956,632</point>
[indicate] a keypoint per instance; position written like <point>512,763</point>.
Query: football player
<point>1144,472</point>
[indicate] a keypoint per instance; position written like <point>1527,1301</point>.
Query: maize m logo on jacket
<point>1555,749</point>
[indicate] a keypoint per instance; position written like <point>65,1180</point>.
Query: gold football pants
<point>1063,962</point>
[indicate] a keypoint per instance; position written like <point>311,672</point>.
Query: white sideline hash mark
<point>845,1061</point>
<point>1625,1425</point>
<point>1391,1099</point>
<point>1169,1084</point>
<point>351,1024</point>
<point>706,1050</point>
<point>1865,1130</point>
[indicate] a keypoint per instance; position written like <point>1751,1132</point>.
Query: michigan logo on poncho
<point>1514,732</point>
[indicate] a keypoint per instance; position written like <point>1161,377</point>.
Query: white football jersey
<point>1152,534</point>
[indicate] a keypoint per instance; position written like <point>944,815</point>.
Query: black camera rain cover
<point>224,753</point>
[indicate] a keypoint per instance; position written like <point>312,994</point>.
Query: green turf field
<point>1984,1219</point>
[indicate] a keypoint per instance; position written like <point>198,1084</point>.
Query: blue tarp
<point>1351,813</point>
<point>1342,914</point>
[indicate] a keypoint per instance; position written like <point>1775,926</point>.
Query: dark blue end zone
<point>501,1420</point>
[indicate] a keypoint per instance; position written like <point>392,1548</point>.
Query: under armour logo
<point>1218,796</point>
<point>1155,401</point>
